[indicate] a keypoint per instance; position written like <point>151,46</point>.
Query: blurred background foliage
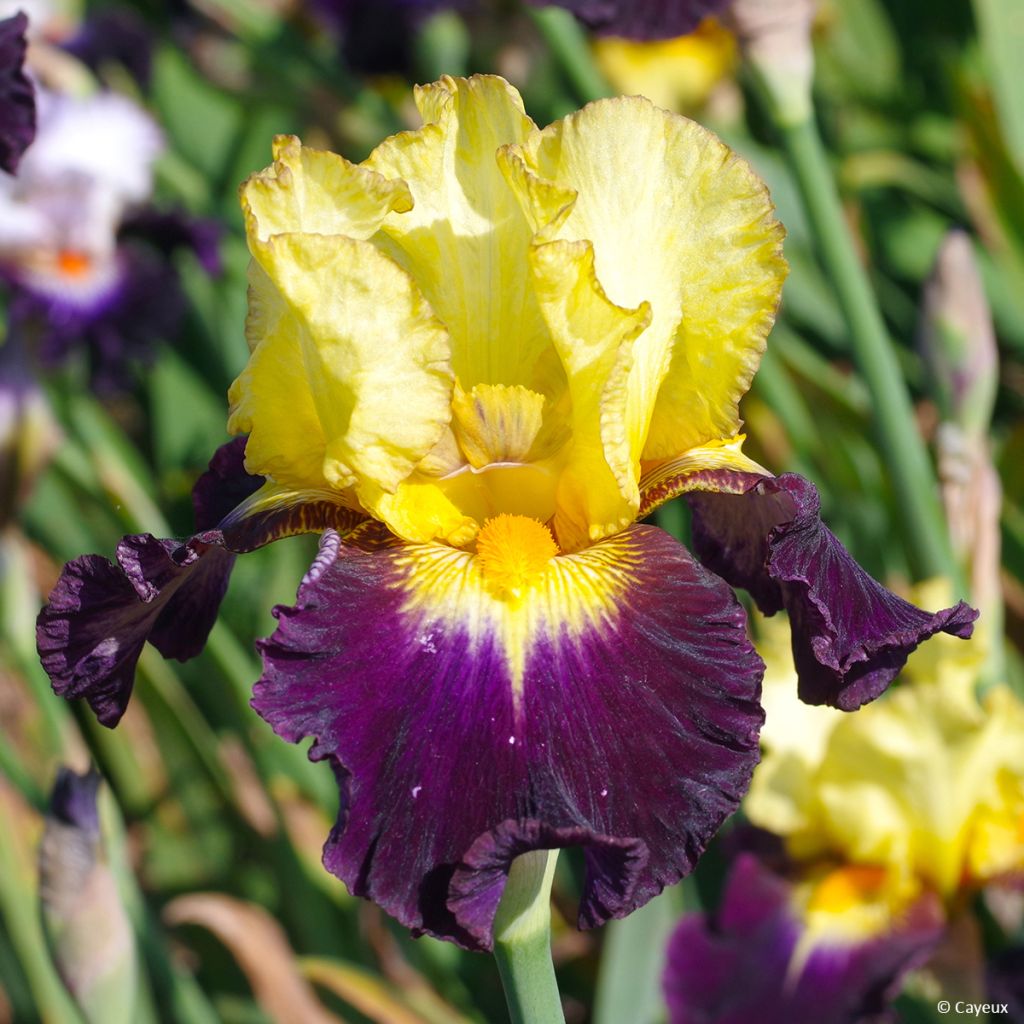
<point>214,827</point>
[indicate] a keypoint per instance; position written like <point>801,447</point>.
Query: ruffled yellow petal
<point>318,192</point>
<point>594,338</point>
<point>349,384</point>
<point>271,399</point>
<point>911,782</point>
<point>466,238</point>
<point>677,220</point>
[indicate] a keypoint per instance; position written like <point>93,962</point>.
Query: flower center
<point>514,552</point>
<point>72,263</point>
<point>847,887</point>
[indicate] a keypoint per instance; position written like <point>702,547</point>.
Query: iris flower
<point>478,359</point>
<point>86,260</point>
<point>888,821</point>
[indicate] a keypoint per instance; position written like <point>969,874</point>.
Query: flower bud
<point>86,924</point>
<point>775,36</point>
<point>957,339</point>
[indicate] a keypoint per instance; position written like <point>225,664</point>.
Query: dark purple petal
<point>737,966</point>
<point>224,486</point>
<point>116,36</point>
<point>851,635</point>
<point>100,615</point>
<point>641,19</point>
<point>17,97</point>
<point>629,729</point>
<point>1005,977</point>
<point>92,630</point>
<point>169,230</point>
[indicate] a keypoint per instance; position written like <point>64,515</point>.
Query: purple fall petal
<point>737,966</point>
<point>641,19</point>
<point>100,615</point>
<point>851,636</point>
<point>632,735</point>
<point>17,97</point>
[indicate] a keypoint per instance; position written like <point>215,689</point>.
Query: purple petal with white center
<point>746,963</point>
<point>641,19</point>
<point>117,325</point>
<point>616,709</point>
<point>17,97</point>
<point>851,636</point>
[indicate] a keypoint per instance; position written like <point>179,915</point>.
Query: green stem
<point>568,44</point>
<point>522,941</point>
<point>912,474</point>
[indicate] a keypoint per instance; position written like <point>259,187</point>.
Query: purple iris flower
<point>89,266</point>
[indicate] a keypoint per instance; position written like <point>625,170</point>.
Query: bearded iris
<point>878,831</point>
<point>478,359</point>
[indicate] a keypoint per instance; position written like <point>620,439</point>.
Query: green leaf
<point>1001,26</point>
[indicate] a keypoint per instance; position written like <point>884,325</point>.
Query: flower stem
<point>522,941</point>
<point>912,474</point>
<point>568,44</point>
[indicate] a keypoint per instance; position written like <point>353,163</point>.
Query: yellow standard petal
<point>349,383</point>
<point>466,238</point>
<point>318,192</point>
<point>677,220</point>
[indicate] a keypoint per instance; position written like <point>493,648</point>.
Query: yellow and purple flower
<point>478,358</point>
<point>886,823</point>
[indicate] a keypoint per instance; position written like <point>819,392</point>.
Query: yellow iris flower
<point>922,790</point>
<point>485,318</point>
